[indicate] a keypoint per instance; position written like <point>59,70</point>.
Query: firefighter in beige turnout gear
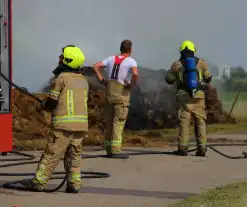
<point>190,105</point>
<point>68,102</point>
<point>122,75</point>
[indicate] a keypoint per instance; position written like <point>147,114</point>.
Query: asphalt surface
<point>143,180</point>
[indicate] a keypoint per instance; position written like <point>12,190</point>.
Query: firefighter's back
<point>71,112</point>
<point>116,90</point>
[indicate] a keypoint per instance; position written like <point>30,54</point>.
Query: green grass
<point>232,195</point>
<point>230,96</point>
<point>240,107</point>
<point>211,129</point>
<point>226,128</point>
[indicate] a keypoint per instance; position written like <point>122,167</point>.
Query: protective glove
<point>202,85</point>
<point>104,82</point>
<point>127,85</point>
<point>43,103</point>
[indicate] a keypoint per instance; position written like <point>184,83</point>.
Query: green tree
<point>238,72</point>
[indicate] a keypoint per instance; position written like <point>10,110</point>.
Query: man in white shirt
<point>122,75</point>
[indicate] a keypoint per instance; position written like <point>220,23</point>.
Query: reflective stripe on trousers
<point>182,144</point>
<point>74,177</point>
<point>113,143</point>
<point>40,178</point>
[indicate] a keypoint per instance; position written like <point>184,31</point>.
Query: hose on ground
<point>212,147</point>
<point>156,152</point>
<point>10,185</point>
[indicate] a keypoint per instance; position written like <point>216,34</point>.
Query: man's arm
<point>134,74</point>
<point>134,77</point>
<point>207,76</point>
<point>97,67</point>
<point>50,103</point>
<point>171,74</point>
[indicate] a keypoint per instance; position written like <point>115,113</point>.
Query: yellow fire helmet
<point>73,57</point>
<point>187,44</point>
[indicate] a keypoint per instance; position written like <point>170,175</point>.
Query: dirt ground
<point>143,180</point>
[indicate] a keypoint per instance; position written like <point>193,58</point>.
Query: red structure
<point>6,137</point>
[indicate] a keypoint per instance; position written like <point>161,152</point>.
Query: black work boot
<point>201,153</point>
<point>118,156</point>
<point>180,152</point>
<point>71,189</point>
<point>31,185</point>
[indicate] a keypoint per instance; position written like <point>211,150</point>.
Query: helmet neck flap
<point>61,68</point>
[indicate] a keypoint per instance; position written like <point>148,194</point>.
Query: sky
<point>156,28</point>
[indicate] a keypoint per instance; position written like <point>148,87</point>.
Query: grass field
<point>240,109</point>
<point>234,195</point>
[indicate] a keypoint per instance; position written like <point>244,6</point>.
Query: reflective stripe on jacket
<point>71,91</point>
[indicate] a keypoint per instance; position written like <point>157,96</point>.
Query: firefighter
<point>190,74</point>
<point>68,102</point>
<point>122,75</point>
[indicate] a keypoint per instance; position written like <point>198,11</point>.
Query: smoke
<point>151,80</point>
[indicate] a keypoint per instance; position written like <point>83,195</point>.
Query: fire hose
<point>29,158</point>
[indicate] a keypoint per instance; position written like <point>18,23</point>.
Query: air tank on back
<point>191,72</point>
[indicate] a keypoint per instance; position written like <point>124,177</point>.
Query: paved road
<point>144,180</point>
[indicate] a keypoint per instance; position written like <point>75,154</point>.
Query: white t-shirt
<point>124,73</point>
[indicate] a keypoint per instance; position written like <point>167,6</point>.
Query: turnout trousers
<point>192,108</point>
<point>115,116</point>
<point>61,144</point>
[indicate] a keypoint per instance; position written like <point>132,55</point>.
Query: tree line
<point>237,81</point>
